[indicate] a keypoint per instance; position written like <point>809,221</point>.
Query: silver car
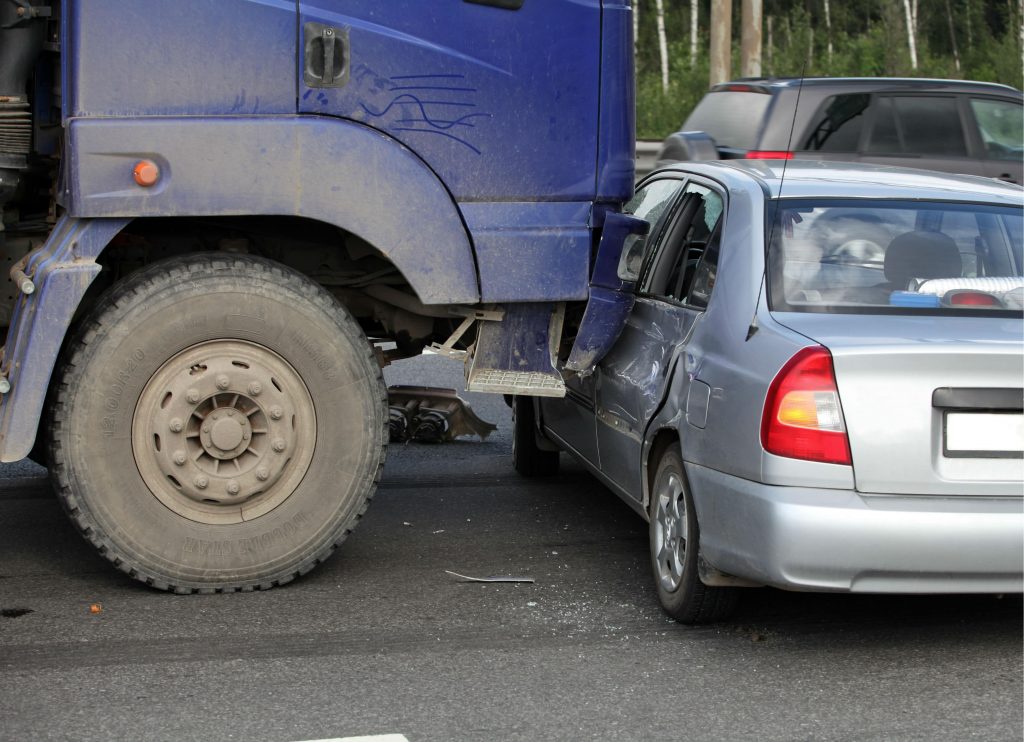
<point>818,386</point>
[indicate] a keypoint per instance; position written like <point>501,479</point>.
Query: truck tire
<point>675,548</point>
<point>219,424</point>
<point>528,458</point>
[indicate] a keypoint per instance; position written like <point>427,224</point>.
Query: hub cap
<point>670,532</point>
<point>224,432</point>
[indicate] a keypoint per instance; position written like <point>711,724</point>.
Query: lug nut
<point>223,382</point>
<point>262,474</point>
<point>245,436</point>
<point>180,458</point>
<point>176,425</point>
<point>255,388</point>
<point>192,395</point>
<point>278,444</point>
<point>201,482</point>
<point>231,413</point>
<point>233,488</point>
<point>276,412</point>
<point>206,428</point>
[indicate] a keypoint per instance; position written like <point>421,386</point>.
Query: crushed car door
<point>674,292</point>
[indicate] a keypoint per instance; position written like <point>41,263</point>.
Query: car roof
<point>879,83</point>
<point>817,179</point>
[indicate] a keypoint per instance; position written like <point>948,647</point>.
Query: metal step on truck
<point>217,214</point>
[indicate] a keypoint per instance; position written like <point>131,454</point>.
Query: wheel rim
<point>224,432</point>
<point>670,532</point>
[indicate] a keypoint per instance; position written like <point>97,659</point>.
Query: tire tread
<point>125,295</point>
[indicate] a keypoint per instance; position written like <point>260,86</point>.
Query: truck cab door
<point>499,97</point>
<point>620,257</point>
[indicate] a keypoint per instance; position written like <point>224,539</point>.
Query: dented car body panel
<point>695,373</point>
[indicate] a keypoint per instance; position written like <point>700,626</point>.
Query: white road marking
<point>370,738</point>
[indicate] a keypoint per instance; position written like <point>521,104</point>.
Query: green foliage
<point>869,39</point>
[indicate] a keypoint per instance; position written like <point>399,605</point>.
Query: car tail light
<point>971,299</point>
<point>803,418</point>
<point>768,154</point>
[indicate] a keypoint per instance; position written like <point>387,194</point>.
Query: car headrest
<point>922,255</point>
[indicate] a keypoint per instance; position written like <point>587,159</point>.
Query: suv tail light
<point>768,154</point>
<point>803,418</point>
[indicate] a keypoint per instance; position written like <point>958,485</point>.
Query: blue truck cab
<point>223,216</point>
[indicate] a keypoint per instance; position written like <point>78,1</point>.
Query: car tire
<point>528,458</point>
<point>675,550</point>
<point>219,424</point>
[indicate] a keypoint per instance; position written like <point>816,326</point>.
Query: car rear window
<point>733,119</point>
<point>888,257</point>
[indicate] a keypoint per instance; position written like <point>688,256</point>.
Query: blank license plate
<point>984,435</point>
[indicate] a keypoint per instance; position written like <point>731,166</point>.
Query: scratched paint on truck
<point>503,104</point>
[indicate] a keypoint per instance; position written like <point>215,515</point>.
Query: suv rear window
<point>733,118</point>
<point>894,257</point>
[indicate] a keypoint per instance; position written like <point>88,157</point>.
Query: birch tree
<point>693,33</point>
<point>636,26</point>
<point>828,31</point>
<point>952,36</point>
<point>910,9</point>
<point>659,9</point>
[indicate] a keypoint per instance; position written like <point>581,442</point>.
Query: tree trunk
<point>828,31</point>
<point>693,33</point>
<point>636,26</point>
<point>768,48</point>
<point>952,36</point>
<point>1020,28</point>
<point>659,8</point>
<point>970,35</point>
<point>721,32</point>
<point>750,39</point>
<point>810,51</point>
<point>911,33</point>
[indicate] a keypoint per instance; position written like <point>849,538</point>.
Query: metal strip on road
<point>371,738</point>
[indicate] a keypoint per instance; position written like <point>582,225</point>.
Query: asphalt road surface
<point>380,641</point>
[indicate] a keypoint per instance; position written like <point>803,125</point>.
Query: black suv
<point>953,126</point>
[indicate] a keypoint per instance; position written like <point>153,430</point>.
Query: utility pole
<point>721,41</point>
<point>750,41</point>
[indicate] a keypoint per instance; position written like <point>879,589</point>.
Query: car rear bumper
<point>801,538</point>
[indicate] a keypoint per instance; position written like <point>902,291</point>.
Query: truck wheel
<point>219,424</point>
<point>528,458</point>
<point>675,544</point>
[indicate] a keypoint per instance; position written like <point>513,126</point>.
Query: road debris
<point>496,578</point>
<point>95,608</point>
<point>432,415</point>
<point>15,612</point>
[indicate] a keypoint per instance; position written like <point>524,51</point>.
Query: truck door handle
<point>326,57</point>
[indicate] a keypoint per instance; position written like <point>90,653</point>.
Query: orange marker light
<point>146,173</point>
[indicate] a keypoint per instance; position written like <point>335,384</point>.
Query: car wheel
<point>219,424</point>
<point>675,545</point>
<point>528,458</point>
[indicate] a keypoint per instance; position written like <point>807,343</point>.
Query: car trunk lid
<point>932,404</point>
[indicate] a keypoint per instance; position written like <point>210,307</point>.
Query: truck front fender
<point>61,272</point>
<point>329,169</point>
